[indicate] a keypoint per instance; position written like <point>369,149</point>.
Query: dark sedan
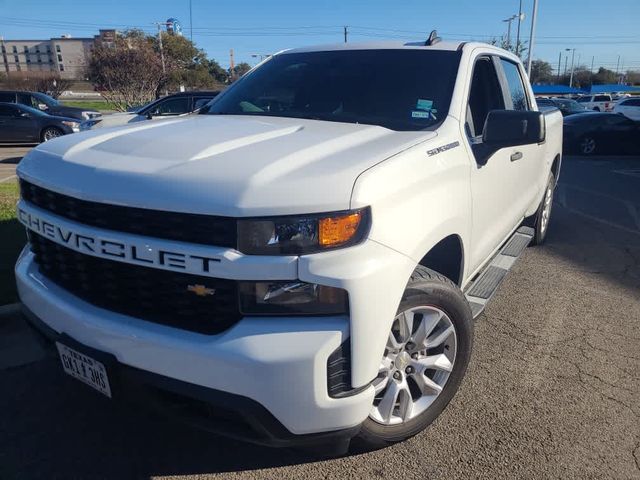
<point>47,104</point>
<point>21,124</point>
<point>601,133</point>
<point>565,105</point>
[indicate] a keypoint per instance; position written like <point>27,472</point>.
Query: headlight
<point>299,235</point>
<point>88,124</point>
<point>75,126</point>
<point>88,115</point>
<point>291,298</point>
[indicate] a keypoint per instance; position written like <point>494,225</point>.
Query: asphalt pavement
<point>552,391</point>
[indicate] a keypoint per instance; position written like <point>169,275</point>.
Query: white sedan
<point>629,107</point>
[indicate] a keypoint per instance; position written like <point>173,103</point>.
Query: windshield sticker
<point>424,104</point>
<point>420,114</point>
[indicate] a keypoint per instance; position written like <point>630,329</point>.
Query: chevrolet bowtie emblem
<point>201,290</point>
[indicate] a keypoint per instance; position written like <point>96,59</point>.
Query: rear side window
<point>7,111</point>
<point>173,106</point>
<point>28,100</point>
<point>199,102</point>
<point>485,95</point>
<point>634,102</point>
<point>602,98</point>
<point>515,84</point>
<point>7,97</point>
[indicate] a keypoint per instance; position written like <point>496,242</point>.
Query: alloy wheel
<point>587,145</point>
<point>417,362</point>
<point>50,134</point>
<point>546,209</point>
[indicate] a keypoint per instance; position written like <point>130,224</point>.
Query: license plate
<point>84,368</point>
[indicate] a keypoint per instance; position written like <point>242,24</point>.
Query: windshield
<point>47,100</point>
<point>397,89</point>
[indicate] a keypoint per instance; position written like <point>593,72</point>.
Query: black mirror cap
<point>509,128</point>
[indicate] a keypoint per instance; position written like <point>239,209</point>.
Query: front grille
<point>183,227</point>
<point>150,294</point>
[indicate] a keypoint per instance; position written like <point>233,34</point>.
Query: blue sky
<point>594,28</point>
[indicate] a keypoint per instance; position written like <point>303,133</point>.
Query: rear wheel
<point>587,145</point>
<point>426,357</point>
<point>50,133</point>
<point>596,109</point>
<point>543,214</point>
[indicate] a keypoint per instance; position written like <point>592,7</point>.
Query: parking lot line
<point>7,178</point>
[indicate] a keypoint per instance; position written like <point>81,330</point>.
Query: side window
<point>602,98</point>
<point>583,100</point>
<point>634,102</point>
<point>7,97</point>
<point>6,111</point>
<point>515,84</point>
<point>199,102</point>
<point>172,106</point>
<point>485,95</point>
<point>28,100</point>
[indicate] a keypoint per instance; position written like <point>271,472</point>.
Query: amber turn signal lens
<point>338,230</point>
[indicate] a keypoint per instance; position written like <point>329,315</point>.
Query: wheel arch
<point>447,258</point>
<point>555,167</point>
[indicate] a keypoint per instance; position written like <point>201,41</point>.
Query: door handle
<point>516,156</point>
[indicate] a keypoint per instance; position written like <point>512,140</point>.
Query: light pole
<point>509,20</point>
<point>573,52</point>
<point>260,56</point>
<point>520,19</point>
<point>532,36</point>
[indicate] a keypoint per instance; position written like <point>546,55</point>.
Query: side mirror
<point>509,128</point>
<point>42,106</point>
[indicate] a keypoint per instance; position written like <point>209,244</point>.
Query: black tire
<point>426,288</point>
<point>541,228</point>
<point>50,133</point>
<point>596,109</point>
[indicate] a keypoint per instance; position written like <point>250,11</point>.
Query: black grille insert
<point>147,293</point>
<point>183,227</point>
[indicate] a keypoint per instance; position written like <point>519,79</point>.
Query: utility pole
<point>566,61</point>
<point>593,58</point>
<point>164,67</point>
<point>559,65</point>
<point>520,18</point>
<point>532,36</point>
<point>190,21</point>
<point>232,65</point>
<point>346,33</point>
<point>617,65</point>
<point>573,53</point>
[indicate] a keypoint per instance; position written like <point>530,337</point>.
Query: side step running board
<point>480,291</point>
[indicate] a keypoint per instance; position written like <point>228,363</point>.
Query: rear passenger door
<point>529,159</point>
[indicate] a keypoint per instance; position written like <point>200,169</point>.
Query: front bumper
<point>213,410</point>
<point>279,364</point>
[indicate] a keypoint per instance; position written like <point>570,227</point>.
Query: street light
<point>509,20</point>
<point>261,56</point>
<point>573,52</point>
<point>520,19</point>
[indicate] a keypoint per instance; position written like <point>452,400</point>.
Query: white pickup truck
<point>302,264</point>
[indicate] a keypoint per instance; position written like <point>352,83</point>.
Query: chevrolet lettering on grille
<point>139,253</point>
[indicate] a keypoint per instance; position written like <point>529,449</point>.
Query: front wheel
<point>543,214</point>
<point>50,133</point>
<point>425,359</point>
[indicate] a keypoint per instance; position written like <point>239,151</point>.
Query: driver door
<point>497,178</point>
<point>17,125</point>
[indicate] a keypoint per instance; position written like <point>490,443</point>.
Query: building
<point>65,56</point>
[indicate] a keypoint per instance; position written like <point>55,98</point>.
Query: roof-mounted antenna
<point>433,38</point>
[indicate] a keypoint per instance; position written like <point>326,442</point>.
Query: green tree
<point>604,75</point>
<point>240,69</point>
<point>541,72</point>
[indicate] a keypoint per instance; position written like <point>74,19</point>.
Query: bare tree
<point>128,73</point>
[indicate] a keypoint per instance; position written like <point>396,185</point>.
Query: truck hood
<point>217,165</point>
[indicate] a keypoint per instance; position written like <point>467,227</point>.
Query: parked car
<point>165,107</point>
<point>46,104</point>
<point>301,264</point>
<point>599,103</point>
<point>602,133</point>
<point>565,105</point>
<point>22,124</point>
<point>629,107</point>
